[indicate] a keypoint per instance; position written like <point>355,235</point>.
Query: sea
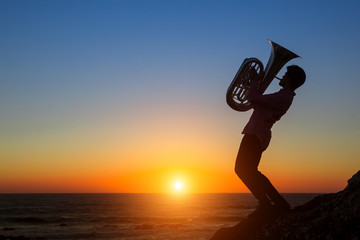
<point>126,216</point>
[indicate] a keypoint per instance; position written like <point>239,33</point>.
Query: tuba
<point>253,70</point>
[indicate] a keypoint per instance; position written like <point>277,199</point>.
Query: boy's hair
<point>297,76</point>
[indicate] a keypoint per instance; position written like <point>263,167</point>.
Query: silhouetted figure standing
<point>268,109</point>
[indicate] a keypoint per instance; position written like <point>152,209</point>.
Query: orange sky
<point>149,153</point>
<point>163,180</point>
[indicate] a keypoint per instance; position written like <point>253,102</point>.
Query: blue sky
<point>119,71</point>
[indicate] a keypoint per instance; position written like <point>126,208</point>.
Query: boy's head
<point>296,75</point>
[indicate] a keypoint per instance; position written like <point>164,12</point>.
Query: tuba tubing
<point>252,70</point>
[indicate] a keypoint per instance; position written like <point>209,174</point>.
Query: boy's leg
<point>247,161</point>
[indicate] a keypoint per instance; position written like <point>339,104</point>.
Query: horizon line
<point>160,193</point>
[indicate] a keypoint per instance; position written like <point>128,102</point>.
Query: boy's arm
<point>263,101</point>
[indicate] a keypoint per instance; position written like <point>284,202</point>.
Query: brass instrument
<point>253,70</point>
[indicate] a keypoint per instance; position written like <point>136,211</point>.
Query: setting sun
<point>178,185</point>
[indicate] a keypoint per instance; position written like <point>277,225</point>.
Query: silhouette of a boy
<point>268,109</point>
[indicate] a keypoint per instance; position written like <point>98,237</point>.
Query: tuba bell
<point>252,69</point>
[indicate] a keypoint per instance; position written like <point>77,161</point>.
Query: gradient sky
<point>129,96</point>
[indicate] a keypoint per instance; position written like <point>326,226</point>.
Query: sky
<point>129,96</point>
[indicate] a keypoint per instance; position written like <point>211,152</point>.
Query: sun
<point>178,185</point>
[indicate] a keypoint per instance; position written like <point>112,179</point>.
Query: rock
<point>329,216</point>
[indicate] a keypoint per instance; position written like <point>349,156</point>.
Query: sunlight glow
<point>178,185</point>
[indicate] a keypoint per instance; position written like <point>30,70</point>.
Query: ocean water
<point>125,216</point>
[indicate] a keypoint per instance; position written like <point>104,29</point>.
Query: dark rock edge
<point>328,216</point>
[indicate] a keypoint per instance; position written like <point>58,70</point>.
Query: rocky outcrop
<point>331,216</point>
